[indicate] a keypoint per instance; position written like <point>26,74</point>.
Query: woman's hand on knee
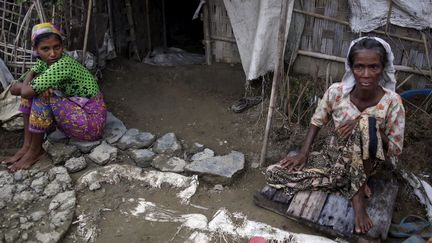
<point>294,162</point>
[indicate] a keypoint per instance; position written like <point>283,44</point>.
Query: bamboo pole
<point>342,60</point>
<point>132,29</point>
<point>89,12</point>
<point>149,40</point>
<point>110,19</point>
<point>164,30</point>
<point>207,40</point>
<point>389,15</point>
<point>427,53</point>
<point>285,20</point>
<point>221,38</point>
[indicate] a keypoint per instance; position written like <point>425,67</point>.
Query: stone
<point>218,169</point>
<point>218,188</point>
<point>38,185</point>
<point>24,236</point>
<point>60,218</point>
<point>26,226</point>
<point>57,137</point>
<point>103,154</point>
<point>196,148</point>
<point>36,216</point>
<point>12,236</point>
<point>7,192</point>
<point>135,139</point>
<point>76,164</point>
<point>63,201</point>
<point>167,144</point>
<point>164,163</point>
<point>85,146</point>
<point>52,189</point>
<point>61,176</point>
<point>95,186</point>
<point>49,237</point>
<point>39,174</point>
<point>20,175</point>
<point>24,197</point>
<point>207,153</point>
<point>60,152</point>
<point>114,129</point>
<point>21,187</point>
<point>142,157</point>
<point>2,204</point>
<point>6,178</point>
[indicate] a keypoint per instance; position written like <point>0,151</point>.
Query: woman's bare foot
<point>29,158</point>
<point>367,191</point>
<point>362,222</point>
<point>18,155</point>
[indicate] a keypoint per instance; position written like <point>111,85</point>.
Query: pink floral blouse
<point>389,113</point>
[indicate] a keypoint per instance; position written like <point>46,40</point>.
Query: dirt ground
<point>193,102</point>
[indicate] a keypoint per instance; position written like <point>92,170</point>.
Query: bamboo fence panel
<point>224,47</point>
<point>327,31</point>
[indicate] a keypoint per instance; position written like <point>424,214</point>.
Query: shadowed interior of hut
<point>181,30</point>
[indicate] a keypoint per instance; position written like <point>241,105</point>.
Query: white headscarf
<point>387,81</point>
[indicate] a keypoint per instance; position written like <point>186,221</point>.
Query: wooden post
<point>389,15</point>
<point>207,40</point>
<point>278,72</point>
<point>164,30</point>
<point>132,29</point>
<point>89,12</point>
<point>149,42</point>
<point>110,19</point>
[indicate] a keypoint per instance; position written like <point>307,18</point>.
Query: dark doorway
<point>181,31</point>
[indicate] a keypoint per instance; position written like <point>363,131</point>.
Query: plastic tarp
<point>5,76</point>
<point>173,56</point>
<point>367,15</point>
<point>10,117</point>
<point>255,25</point>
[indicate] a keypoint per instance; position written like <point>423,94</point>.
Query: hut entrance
<point>181,31</point>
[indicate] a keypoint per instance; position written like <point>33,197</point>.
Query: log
<point>89,12</point>
<point>207,40</point>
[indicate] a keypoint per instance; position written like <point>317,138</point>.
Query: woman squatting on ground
<point>57,91</point>
<point>369,121</point>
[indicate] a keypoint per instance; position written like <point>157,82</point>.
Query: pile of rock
<point>36,206</point>
<point>165,153</point>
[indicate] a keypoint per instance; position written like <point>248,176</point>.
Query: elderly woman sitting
<point>369,118</point>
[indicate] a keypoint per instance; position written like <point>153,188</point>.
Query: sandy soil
<point>193,102</point>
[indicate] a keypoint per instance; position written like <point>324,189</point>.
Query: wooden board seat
<point>331,213</point>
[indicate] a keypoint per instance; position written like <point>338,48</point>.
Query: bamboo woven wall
<point>333,38</point>
<point>17,21</point>
<point>224,47</point>
<point>15,46</point>
<point>327,31</point>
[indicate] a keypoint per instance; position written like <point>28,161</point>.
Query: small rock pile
<point>165,153</point>
<point>35,206</point>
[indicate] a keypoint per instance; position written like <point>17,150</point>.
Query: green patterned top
<point>66,75</point>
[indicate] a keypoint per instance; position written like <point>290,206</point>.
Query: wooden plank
<point>282,197</point>
<point>298,203</point>
<point>314,205</point>
<point>380,206</point>
<point>268,191</point>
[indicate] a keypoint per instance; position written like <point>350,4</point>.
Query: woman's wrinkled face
<point>50,49</point>
<point>367,69</point>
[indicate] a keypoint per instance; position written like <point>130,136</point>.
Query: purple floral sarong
<point>77,117</point>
